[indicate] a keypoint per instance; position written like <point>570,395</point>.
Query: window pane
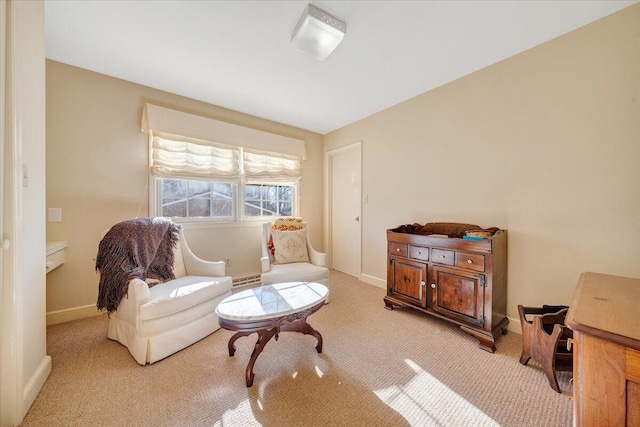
<point>223,190</point>
<point>269,209</point>
<point>197,188</point>
<point>251,192</point>
<point>286,192</point>
<point>175,209</point>
<point>173,189</point>
<point>185,198</point>
<point>222,208</point>
<point>285,209</point>
<point>268,200</point>
<point>251,210</point>
<point>199,207</point>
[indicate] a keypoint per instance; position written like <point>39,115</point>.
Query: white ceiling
<point>236,54</point>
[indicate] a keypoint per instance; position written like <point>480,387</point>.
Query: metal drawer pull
<point>419,253</point>
<point>442,257</point>
<point>398,250</point>
<point>469,261</point>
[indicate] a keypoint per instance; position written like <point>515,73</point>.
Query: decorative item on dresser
<point>448,271</point>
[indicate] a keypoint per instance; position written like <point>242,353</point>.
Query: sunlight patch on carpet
<point>426,401</point>
<point>241,412</point>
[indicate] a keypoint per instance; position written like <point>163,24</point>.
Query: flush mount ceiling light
<point>318,33</point>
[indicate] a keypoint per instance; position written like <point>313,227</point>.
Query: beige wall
<point>97,173</point>
<point>545,144</point>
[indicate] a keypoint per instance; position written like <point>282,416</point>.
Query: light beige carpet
<point>378,368</point>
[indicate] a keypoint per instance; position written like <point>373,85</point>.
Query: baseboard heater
<point>246,281</point>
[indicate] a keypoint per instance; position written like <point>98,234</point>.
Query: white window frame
<point>238,181</point>
<point>155,201</point>
<point>295,202</point>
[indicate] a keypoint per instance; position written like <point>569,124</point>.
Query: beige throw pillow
<point>291,246</point>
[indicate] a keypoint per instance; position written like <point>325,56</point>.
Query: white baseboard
<point>373,281</point>
<point>35,383</point>
<point>75,313</point>
<point>514,325</point>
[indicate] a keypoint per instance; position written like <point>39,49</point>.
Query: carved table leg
<point>310,331</point>
<point>232,340</point>
<point>264,335</point>
<point>303,327</point>
<point>267,329</point>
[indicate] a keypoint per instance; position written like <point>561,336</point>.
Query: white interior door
<point>345,182</point>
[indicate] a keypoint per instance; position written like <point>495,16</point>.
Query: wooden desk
<point>605,317</point>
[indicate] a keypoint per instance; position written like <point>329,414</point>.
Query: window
<point>184,198</point>
<point>268,200</point>
<point>197,180</point>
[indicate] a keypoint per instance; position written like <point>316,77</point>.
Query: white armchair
<point>314,271</point>
<point>155,322</point>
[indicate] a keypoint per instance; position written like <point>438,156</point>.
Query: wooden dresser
<point>462,281</point>
<point>605,318</point>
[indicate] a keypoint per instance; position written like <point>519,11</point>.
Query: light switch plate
<point>55,214</point>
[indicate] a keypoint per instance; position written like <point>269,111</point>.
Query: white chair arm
<point>199,267</point>
<point>266,264</point>
<point>137,295</point>
<point>316,258</point>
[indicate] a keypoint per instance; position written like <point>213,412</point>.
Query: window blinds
<point>189,158</point>
<point>181,146</point>
<point>173,156</point>
<point>262,166</point>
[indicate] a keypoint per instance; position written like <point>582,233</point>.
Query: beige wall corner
<point>544,144</point>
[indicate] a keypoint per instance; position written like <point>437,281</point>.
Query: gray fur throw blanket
<point>139,248</point>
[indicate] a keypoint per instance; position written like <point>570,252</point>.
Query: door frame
<point>11,299</point>
<point>4,403</point>
<point>328,221</point>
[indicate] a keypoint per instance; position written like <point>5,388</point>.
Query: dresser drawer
<point>470,261</point>
<point>418,252</point>
<point>442,256</point>
<point>397,249</point>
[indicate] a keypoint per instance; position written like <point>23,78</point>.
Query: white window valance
<point>164,120</point>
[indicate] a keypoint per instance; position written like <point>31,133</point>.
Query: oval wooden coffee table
<point>269,310</point>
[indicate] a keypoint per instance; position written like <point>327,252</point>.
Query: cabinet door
<point>457,294</point>
<point>408,280</point>
<point>633,387</point>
